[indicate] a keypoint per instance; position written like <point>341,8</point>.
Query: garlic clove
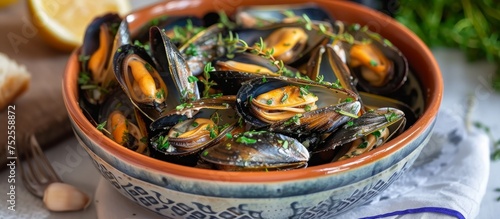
<point>64,197</point>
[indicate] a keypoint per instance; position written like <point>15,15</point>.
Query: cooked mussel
<point>187,132</point>
<point>288,42</point>
<point>203,48</point>
<point>247,62</point>
<point>123,123</point>
<point>204,107</point>
<point>294,106</point>
<point>189,136</point>
<point>377,64</point>
<point>141,81</point>
<point>368,123</point>
<point>102,37</point>
<point>257,151</point>
<point>174,68</point>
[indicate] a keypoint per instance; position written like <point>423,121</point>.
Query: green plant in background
<point>471,25</point>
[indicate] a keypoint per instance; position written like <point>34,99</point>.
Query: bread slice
<point>14,80</point>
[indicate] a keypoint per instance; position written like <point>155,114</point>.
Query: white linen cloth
<point>450,173</point>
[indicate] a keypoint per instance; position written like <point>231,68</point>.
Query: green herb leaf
<point>285,145</point>
<point>284,98</point>
<point>245,140</point>
<point>101,126</point>
<point>191,50</point>
<point>192,79</point>
<point>269,101</point>
<point>390,117</point>
<point>307,108</point>
<point>363,145</point>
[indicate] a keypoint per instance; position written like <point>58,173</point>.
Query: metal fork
<point>35,170</point>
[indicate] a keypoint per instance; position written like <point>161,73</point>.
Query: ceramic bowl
<point>322,191</point>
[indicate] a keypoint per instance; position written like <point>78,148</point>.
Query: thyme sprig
<point>102,127</point>
<point>341,35</point>
<point>234,44</point>
<point>206,79</point>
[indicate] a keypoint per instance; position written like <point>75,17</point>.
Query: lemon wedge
<point>62,23</point>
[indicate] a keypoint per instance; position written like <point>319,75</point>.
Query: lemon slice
<point>62,24</point>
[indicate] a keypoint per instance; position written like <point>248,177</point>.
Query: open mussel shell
<point>319,121</point>
<point>377,64</point>
<point>141,81</point>
<point>325,63</point>
<point>374,101</point>
<point>203,48</point>
<point>201,108</point>
<point>290,42</point>
<point>174,68</point>
<point>325,97</point>
<point>366,124</point>
<point>257,151</point>
<point>185,135</point>
<point>230,73</point>
<point>102,37</point>
<point>189,137</point>
<point>262,16</point>
<point>246,62</point>
<point>124,123</point>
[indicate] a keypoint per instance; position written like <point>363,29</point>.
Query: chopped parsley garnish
<point>160,94</point>
<point>295,119</point>
<point>345,113</point>
<point>269,101</point>
<point>101,126</point>
<point>377,134</point>
<point>195,124</point>
<point>304,90</point>
<point>285,145</point>
<point>192,79</point>
<point>391,117</point>
<point>363,145</point>
<point>148,67</point>
<point>229,135</point>
<point>183,106</point>
<point>212,130</point>
<point>284,98</point>
<point>349,123</point>
<point>191,50</point>
<point>307,108</point>
<point>373,63</point>
<point>245,140</point>
<point>348,100</point>
<point>288,13</point>
<point>83,78</point>
<point>162,143</point>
